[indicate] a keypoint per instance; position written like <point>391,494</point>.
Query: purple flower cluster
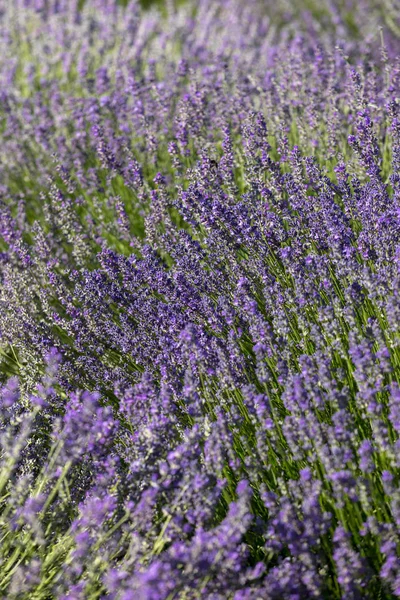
<point>199,300</point>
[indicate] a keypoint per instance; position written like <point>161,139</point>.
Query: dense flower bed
<point>200,300</point>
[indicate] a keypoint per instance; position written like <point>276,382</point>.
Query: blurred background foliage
<point>145,3</point>
<point>327,12</point>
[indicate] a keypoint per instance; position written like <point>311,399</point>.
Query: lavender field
<point>200,300</point>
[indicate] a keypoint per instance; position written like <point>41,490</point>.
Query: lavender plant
<point>199,300</point>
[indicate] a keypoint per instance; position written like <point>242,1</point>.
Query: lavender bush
<point>200,300</point>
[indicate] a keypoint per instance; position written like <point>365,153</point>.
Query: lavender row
<point>199,318</point>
